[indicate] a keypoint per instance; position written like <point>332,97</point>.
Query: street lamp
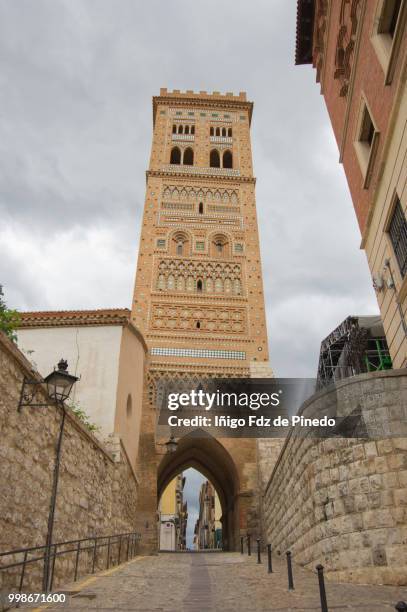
<point>59,385</point>
<point>60,382</point>
<point>170,446</point>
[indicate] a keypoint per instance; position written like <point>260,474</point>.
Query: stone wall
<point>342,502</point>
<point>97,492</point>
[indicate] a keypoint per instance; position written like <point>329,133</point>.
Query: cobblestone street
<point>217,581</point>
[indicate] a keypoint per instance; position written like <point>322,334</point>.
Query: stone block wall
<point>97,492</point>
<point>342,502</point>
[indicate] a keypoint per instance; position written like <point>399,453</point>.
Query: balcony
<point>185,137</point>
<point>221,139</point>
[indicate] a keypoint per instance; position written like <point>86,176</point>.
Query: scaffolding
<point>356,346</point>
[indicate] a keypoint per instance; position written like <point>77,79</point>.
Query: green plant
<point>83,417</point>
<point>9,319</point>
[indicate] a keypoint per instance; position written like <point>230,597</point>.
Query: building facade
<point>173,516</point>
<point>208,527</point>
<point>359,49</point>
<point>108,353</point>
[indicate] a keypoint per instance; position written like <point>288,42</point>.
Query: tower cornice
<point>199,176</point>
<point>203,99</point>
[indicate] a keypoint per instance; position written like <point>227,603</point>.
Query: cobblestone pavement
<point>199,582</point>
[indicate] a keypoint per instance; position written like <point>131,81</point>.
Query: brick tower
<point>198,296</point>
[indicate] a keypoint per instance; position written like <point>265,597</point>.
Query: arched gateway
<point>200,305</point>
<point>210,457</point>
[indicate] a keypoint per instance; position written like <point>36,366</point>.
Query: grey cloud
<point>75,132</point>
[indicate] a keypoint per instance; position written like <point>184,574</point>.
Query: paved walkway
<point>198,582</point>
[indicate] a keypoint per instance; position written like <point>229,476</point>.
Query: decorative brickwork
<point>198,297</point>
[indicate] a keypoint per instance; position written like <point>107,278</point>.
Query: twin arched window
<point>180,244</point>
<point>214,159</point>
<point>219,246</point>
<point>176,157</point>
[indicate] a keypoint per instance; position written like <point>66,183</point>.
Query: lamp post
<point>59,385</point>
<point>170,446</point>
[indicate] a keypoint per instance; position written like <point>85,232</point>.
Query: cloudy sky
<point>76,79</point>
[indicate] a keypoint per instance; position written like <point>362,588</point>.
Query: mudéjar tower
<point>198,296</point>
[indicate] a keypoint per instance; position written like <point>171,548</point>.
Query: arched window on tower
<point>212,131</point>
<point>200,208</point>
<point>180,244</point>
<point>214,159</point>
<point>198,325</point>
<point>192,129</point>
<point>180,129</point>
<point>219,246</point>
<point>175,156</point>
<point>223,131</point>
<point>230,132</point>
<point>187,129</point>
<point>174,129</point>
<point>199,286</point>
<point>217,131</point>
<point>188,157</point>
<point>227,159</point>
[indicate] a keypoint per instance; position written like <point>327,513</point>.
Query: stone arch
<point>210,457</point>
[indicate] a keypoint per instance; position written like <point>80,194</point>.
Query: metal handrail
<point>131,538</point>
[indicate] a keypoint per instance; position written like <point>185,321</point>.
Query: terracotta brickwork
<point>359,51</point>
<point>198,296</point>
<point>342,502</point>
<point>97,492</point>
<point>199,281</point>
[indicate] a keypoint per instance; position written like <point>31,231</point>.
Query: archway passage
<point>189,514</point>
<point>209,457</point>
